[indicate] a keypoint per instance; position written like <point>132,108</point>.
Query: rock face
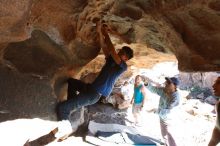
<point>43,42</point>
<point>202,80</point>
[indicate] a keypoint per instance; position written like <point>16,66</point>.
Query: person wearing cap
<point>168,103</point>
<point>215,139</point>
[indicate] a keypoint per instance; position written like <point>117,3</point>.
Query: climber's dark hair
<point>128,51</point>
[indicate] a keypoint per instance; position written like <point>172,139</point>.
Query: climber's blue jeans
<point>79,94</point>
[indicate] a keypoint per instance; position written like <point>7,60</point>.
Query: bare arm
<point>102,40</point>
<point>107,45</point>
<point>132,100</point>
<point>143,90</point>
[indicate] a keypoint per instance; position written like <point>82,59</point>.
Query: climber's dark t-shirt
<point>110,72</point>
